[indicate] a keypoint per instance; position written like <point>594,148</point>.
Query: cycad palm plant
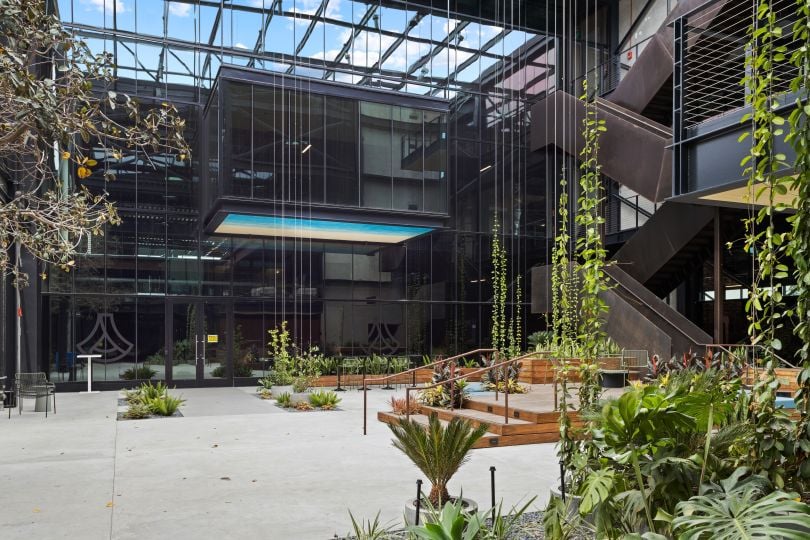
<point>437,451</point>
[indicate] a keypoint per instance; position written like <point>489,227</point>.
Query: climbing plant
<point>762,165</point>
<point>591,254</point>
<point>799,246</point>
<point>562,318</point>
<point>506,327</point>
<point>563,315</point>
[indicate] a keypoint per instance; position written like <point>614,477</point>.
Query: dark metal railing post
<point>388,376</point>
<point>407,403</point>
<point>365,406</point>
<point>494,374</point>
<point>562,479</point>
<point>418,500</point>
<point>506,395</point>
<point>452,384</point>
<point>492,491</point>
<point>364,374</point>
<point>339,368</point>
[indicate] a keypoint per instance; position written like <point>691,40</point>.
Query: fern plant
<point>165,405</point>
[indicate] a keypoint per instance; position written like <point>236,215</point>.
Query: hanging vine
<point>762,239</point>
<point>499,332</point>
<point>592,255</point>
<point>562,320</point>
<point>799,247</point>
<point>506,330</point>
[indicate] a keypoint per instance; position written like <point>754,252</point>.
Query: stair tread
<point>481,416</point>
<point>488,440</point>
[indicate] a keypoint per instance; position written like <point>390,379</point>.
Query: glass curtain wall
<point>429,295</point>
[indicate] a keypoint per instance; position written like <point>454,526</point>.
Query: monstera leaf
<point>738,511</point>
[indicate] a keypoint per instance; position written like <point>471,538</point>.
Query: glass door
<point>200,341</point>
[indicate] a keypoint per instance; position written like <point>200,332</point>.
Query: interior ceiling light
<point>488,167</point>
<point>305,150</point>
<point>350,231</point>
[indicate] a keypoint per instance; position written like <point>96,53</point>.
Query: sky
<point>242,30</point>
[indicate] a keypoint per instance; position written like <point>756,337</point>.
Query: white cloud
<point>105,5</point>
<point>179,9</point>
<point>240,45</point>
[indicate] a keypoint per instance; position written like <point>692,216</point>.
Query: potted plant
<point>438,452</point>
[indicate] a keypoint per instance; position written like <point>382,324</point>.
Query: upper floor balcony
<point>709,98</point>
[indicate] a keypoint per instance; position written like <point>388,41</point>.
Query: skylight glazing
<point>397,45</point>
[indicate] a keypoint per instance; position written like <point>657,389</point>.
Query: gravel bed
<point>529,527</point>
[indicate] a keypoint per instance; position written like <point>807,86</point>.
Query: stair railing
<point>453,380</point>
<point>453,360</point>
<point>728,348</point>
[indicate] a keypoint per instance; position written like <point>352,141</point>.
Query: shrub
<point>284,400</point>
<point>265,394</point>
<point>164,405</point>
<point>303,406</point>
<point>242,369</point>
<point>399,406</point>
<point>133,396</point>
<point>325,400</point>
<point>265,383</point>
<point>279,378</point>
<point>137,410</point>
<point>140,372</point>
<point>148,391</point>
<point>511,386</point>
<point>301,384</point>
<point>218,371</point>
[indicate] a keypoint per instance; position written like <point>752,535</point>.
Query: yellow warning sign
<point>213,338</point>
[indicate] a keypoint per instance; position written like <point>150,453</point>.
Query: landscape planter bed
<point>423,375</point>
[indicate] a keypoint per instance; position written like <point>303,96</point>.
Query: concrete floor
<point>233,466</point>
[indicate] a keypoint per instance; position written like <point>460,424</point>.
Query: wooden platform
<point>541,370</point>
<point>532,418</point>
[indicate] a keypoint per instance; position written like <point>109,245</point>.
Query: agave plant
<point>737,509</point>
<point>437,451</point>
<point>451,524</point>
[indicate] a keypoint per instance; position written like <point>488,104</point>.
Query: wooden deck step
<point>489,440</point>
<point>497,408</point>
<point>496,423</point>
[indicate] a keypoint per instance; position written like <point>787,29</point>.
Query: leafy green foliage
<point>323,399</point>
<point>62,115</point>
<point>737,509</point>
<point>139,372</point>
<point>591,253</point>
<point>452,524</point>
<point>265,383</point>
<point>437,451</point>
<point>284,400</point>
<point>503,526</point>
<point>301,384</point>
<point>506,327</point>
<point>148,391</point>
<point>137,410</point>
<point>370,530</point>
<point>799,246</point>
<point>164,405</point>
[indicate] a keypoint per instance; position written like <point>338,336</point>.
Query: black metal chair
<point>6,396</point>
<point>34,385</point>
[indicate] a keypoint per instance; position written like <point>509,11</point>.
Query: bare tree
<point>59,125</point>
